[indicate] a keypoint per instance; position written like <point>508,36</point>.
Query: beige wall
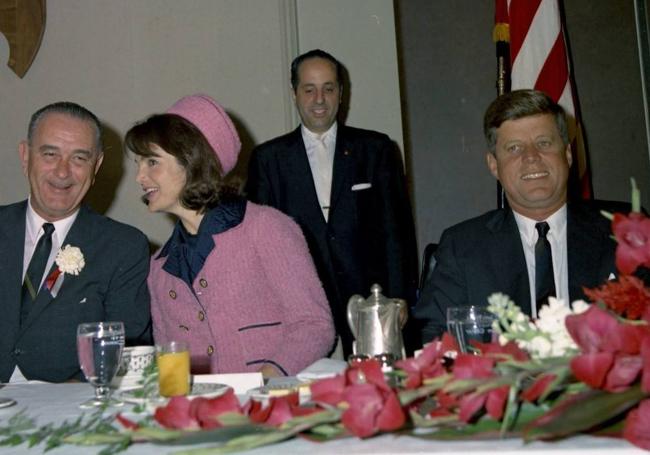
<point>126,59</point>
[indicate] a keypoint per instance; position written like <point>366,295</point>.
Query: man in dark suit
<point>504,250</point>
<point>44,297</point>
<point>345,187</point>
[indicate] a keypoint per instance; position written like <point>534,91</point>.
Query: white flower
<point>579,306</point>
<point>540,347</point>
<point>70,260</point>
<point>544,337</point>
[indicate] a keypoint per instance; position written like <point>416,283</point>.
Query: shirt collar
<point>309,137</point>
<point>556,222</point>
<point>34,224</point>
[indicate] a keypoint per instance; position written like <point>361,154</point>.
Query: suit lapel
<point>298,175</point>
<point>78,235</point>
<point>12,237</point>
<point>507,258</point>
<point>343,172</point>
<point>584,249</point>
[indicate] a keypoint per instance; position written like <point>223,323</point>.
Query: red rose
<point>176,414</point>
<point>370,410</point>
<point>207,410</point>
<point>184,414</point>
<point>611,350</point>
<point>429,364</point>
<point>468,366</point>
<point>371,405</point>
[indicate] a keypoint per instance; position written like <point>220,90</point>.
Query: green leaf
<point>13,440</point>
<point>222,434</point>
<point>581,412</point>
<point>327,431</point>
<point>512,406</point>
<point>485,427</point>
<point>408,396</point>
<point>420,421</point>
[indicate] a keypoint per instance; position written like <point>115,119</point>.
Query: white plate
<point>201,389</point>
<point>6,402</point>
<point>278,390</point>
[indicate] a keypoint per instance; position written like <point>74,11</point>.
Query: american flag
<point>539,59</point>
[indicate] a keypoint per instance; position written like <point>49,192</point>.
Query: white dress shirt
<point>320,153</point>
<point>33,232</point>
<point>557,238</point>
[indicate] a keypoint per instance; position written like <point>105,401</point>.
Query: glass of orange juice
<point>173,359</point>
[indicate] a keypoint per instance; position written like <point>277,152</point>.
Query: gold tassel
<point>501,32</point>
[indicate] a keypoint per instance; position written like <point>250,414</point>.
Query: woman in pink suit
<point>235,280</point>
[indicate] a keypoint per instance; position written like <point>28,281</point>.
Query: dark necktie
<point>35,270</point>
<point>544,278</point>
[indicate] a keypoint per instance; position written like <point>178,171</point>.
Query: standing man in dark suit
<point>62,263</point>
<point>345,187</point>
<point>504,250</point>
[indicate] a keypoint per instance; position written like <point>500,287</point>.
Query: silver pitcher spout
<point>376,323</point>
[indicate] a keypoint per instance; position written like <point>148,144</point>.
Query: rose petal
<point>469,405</point>
<point>637,424</point>
<point>176,414</point>
<point>645,356</point>
<point>592,329</point>
<point>496,402</point>
<point>592,368</point>
<point>328,391</point>
<point>365,403</point>
<point>538,388</point>
<point>624,371</point>
<point>207,410</point>
<point>391,417</point>
<point>469,366</point>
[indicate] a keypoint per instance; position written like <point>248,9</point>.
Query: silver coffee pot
<point>376,324</point>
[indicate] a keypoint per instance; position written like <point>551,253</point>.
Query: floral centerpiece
<point>578,369</point>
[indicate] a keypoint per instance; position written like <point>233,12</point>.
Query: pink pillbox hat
<point>211,119</point>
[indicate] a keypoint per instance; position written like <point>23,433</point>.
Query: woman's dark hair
<point>181,139</point>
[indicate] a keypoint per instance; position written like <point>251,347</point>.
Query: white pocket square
<point>611,277</point>
<point>361,186</point>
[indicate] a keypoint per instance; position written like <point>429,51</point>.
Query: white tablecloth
<point>56,402</point>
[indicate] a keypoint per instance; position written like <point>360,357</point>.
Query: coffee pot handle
<point>353,313</point>
<point>403,311</point>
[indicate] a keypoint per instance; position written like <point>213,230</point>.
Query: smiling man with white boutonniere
<point>64,264</point>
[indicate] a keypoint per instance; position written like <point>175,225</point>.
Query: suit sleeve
<point>446,287</point>
<point>127,297</point>
<point>258,186</point>
<point>397,221</point>
<point>291,271</point>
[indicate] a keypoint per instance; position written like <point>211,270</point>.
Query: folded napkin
<point>323,368</point>
<point>240,382</point>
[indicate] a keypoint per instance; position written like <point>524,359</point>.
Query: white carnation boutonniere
<point>68,260</point>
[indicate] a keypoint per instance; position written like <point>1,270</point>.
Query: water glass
<point>469,323</point>
<point>99,348</point>
<point>173,359</point>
